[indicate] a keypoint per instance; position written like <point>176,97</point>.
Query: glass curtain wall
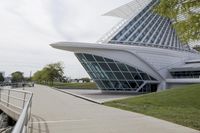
<point>112,75</point>
<point>185,74</point>
<point>149,29</point>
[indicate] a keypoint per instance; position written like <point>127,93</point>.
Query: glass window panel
<point>110,75</point>
<point>119,75</point>
<point>136,76</point>
<point>89,57</point>
<point>144,76</point>
<point>122,67</point>
<point>107,84</point>
<point>99,59</point>
<point>113,66</point>
<point>125,84</point>
<point>139,71</point>
<point>127,76</point>
<point>92,68</point>
<point>92,75</point>
<point>148,88</point>
<point>85,66</point>
<point>99,83</point>
<point>98,75</point>
<point>143,89</point>
<point>133,84</point>
<point>96,67</point>
<point>80,57</point>
<point>115,84</point>
<point>139,83</point>
<point>108,60</point>
<point>104,67</point>
<point>152,78</point>
<point>186,74</point>
<point>102,75</point>
<point>131,69</point>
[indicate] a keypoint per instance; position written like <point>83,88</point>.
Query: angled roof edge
<point>128,10</point>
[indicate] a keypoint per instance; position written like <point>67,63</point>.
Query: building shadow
<point>37,125</point>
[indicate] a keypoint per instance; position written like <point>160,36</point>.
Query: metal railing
<point>18,84</point>
<point>18,102</point>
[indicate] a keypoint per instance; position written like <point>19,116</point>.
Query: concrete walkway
<point>56,112</point>
<point>96,95</point>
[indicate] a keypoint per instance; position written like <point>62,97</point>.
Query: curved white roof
<point>156,59</point>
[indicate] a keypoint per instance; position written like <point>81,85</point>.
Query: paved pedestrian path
<point>57,112</point>
<point>96,95</point>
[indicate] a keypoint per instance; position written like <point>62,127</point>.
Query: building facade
<point>141,54</point>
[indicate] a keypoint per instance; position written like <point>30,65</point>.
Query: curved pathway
<point>57,112</point>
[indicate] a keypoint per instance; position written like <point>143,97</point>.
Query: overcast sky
<point>27,27</point>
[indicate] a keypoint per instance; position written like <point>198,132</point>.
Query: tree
<point>197,48</point>
<point>37,76</point>
<point>17,76</point>
<point>87,80</point>
<point>185,15</point>
<point>65,79</point>
<point>54,72</point>
<point>50,73</point>
<point>1,77</point>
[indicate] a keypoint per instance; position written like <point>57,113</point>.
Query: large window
<point>112,75</point>
<point>150,29</point>
<point>186,74</point>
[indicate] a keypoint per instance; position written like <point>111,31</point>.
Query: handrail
<point>17,83</point>
<point>21,125</point>
<point>20,99</point>
<point>24,110</point>
<point>10,104</point>
<point>20,91</point>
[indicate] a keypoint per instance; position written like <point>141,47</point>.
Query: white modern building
<point>141,54</point>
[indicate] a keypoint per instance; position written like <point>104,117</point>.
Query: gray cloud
<point>28,27</point>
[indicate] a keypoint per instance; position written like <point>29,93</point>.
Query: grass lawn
<point>75,85</point>
<point>179,105</point>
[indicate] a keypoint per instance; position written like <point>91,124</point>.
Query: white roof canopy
<point>128,10</point>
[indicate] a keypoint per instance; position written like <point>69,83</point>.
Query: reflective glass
<point>144,76</point>
<point>110,75</point>
<point>89,57</point>
<point>133,84</point>
<point>113,67</point>
<point>107,83</point>
<point>128,75</point>
<point>119,75</point>
<point>125,84</point>
<point>116,84</point>
<point>149,28</point>
<point>104,66</point>
<point>136,76</point>
<point>99,59</point>
<point>99,83</point>
<point>114,76</point>
<point>108,60</point>
<point>122,67</point>
<point>131,69</point>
